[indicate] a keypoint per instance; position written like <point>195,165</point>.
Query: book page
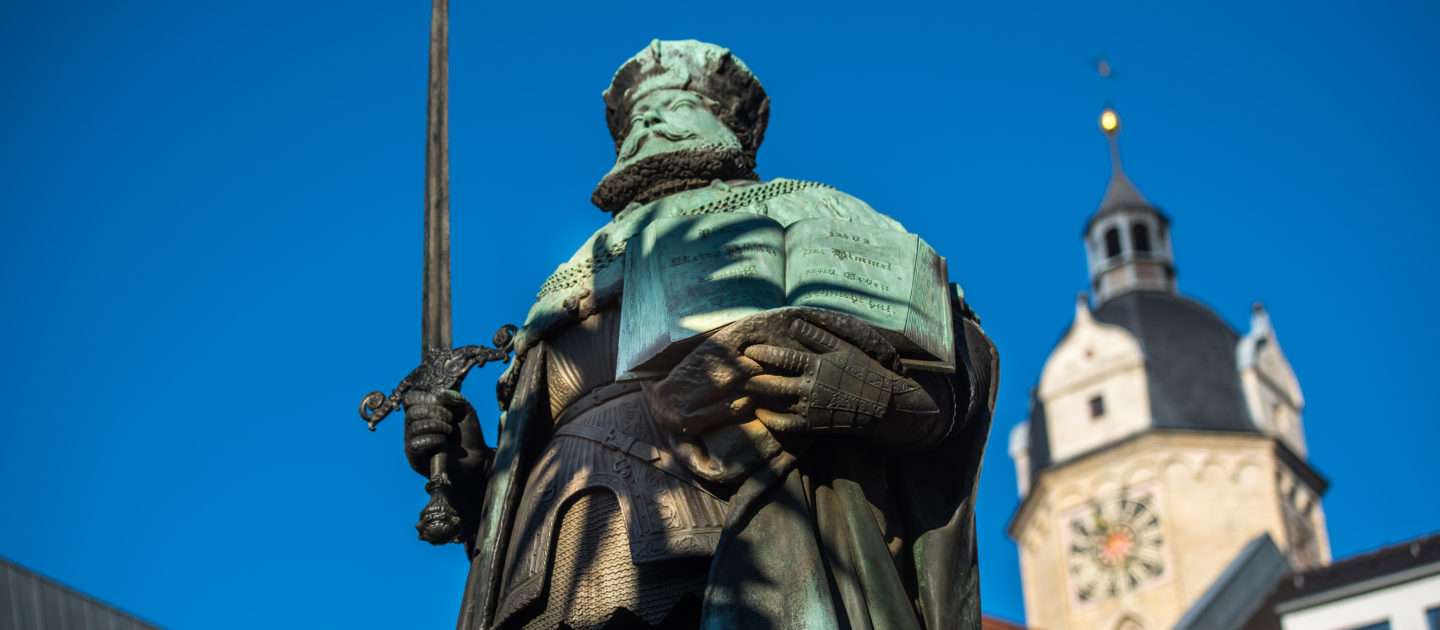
<point>685,277</point>
<point>861,271</point>
<point>889,279</point>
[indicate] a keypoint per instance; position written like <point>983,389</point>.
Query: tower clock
<point>1114,545</point>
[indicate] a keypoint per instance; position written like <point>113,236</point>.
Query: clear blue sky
<point>211,214</point>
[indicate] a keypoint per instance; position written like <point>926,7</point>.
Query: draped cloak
<point>838,534</point>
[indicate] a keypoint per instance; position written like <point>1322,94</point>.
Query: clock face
<point>1115,547</point>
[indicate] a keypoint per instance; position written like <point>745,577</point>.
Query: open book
<point>687,277</point>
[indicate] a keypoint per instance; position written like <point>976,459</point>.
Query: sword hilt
<point>442,368</point>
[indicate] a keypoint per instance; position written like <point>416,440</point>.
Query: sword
<point>441,365</point>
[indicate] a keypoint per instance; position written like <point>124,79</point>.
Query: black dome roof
<point>1189,365</point>
<point>1189,360</point>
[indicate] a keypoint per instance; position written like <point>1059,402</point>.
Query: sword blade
<point>435,298</point>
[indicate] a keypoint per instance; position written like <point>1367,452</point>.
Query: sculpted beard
<point>668,173</point>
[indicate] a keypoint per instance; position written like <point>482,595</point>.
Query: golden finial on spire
<point>1109,121</point>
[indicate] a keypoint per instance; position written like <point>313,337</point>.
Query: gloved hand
<point>781,368</point>
<point>443,421</point>
<point>836,387</point>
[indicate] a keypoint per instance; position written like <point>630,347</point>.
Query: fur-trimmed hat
<point>694,66</point>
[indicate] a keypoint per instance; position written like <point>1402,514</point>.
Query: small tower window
<point>1097,406</point>
<point>1140,237</point>
<point>1112,243</point>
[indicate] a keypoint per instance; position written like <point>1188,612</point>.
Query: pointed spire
<point>1121,191</point>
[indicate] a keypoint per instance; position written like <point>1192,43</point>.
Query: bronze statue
<point>707,424</point>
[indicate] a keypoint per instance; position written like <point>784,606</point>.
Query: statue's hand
<point>443,421</point>
<point>705,389</point>
<point>783,369</point>
<point>834,386</point>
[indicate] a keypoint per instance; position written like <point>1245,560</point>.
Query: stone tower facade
<point>1159,443</point>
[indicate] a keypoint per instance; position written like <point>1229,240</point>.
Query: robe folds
<point>837,539</point>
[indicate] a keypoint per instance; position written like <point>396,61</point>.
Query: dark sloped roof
<point>1345,576</point>
<point>1362,567</point>
<point>34,602</point>
<point>1122,192</point>
<point>1122,195</point>
<point>1189,360</point>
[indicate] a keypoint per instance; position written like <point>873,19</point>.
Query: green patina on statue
<point>708,425</point>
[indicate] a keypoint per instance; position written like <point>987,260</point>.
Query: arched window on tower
<point>1112,243</point>
<point>1129,623</point>
<point>1140,237</point>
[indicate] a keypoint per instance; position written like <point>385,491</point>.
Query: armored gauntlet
<point>838,387</point>
<point>444,421</point>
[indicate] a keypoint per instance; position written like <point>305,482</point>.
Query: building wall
<point>1093,360</point>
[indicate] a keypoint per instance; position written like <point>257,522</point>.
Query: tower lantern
<point>1127,240</point>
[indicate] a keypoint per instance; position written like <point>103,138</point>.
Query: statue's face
<point>671,120</point>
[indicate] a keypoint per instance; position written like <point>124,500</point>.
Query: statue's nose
<point>651,117</point>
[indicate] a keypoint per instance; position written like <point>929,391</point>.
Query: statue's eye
<point>682,104</point>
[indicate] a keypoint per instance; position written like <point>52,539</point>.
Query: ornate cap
<point>695,66</point>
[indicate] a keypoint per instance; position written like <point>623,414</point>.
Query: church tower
<point>1159,441</point>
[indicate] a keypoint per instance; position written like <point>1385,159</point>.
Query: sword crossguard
<point>442,368</point>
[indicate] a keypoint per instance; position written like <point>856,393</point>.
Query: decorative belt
<point>656,457</point>
<point>617,440</point>
<point>595,398</point>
